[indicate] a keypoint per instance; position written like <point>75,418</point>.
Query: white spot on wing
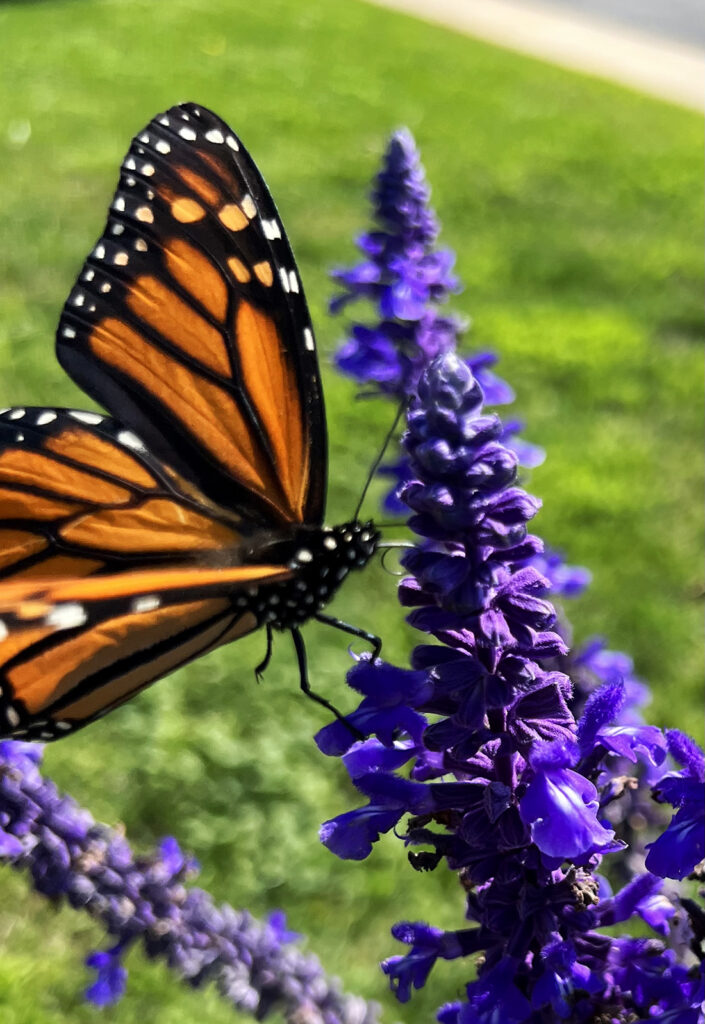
<point>68,332</point>
<point>130,164</point>
<point>188,134</point>
<point>67,616</point>
<point>119,203</point>
<point>99,252</point>
<point>163,147</point>
<point>117,229</point>
<point>271,229</point>
<point>215,136</point>
<point>148,603</point>
<point>233,143</point>
<point>63,726</point>
<point>45,417</point>
<point>86,417</point>
<point>89,275</point>
<point>16,414</point>
<point>308,339</point>
<point>303,555</point>
<point>79,298</point>
<point>130,440</point>
<point>141,245</point>
<point>3,630</point>
<point>284,276</point>
<point>148,170</point>
<point>293,281</point>
<point>247,205</point>
<point>12,717</point>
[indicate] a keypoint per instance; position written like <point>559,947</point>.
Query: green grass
<point>572,205</point>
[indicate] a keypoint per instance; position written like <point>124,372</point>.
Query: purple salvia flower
<point>676,853</point>
<point>505,784</point>
<point>407,278</point>
<point>68,855</point>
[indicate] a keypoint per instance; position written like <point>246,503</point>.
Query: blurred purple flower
<point>68,855</point>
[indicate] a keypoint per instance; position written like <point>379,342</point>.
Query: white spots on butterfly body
<point>248,207</point>
<point>303,555</point>
<point>67,616</point>
<point>365,536</point>
<point>148,603</point>
<point>188,134</point>
<point>293,281</point>
<point>232,143</point>
<point>48,416</point>
<point>347,537</point>
<point>99,252</point>
<point>162,146</point>
<point>215,136</point>
<point>119,204</point>
<point>308,340</point>
<point>68,332</point>
<point>92,418</point>
<point>284,277</point>
<point>130,440</point>
<point>121,259</point>
<point>16,414</point>
<point>147,170</point>
<point>271,229</point>
<point>13,719</point>
<point>330,543</point>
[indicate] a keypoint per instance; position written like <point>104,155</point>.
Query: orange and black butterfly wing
<point>113,570</point>
<point>73,650</point>
<point>189,324</point>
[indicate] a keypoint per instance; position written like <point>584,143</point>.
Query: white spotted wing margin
<point>188,322</point>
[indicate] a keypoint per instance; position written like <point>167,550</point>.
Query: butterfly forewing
<point>188,322</point>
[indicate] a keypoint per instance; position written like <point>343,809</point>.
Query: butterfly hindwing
<point>188,322</point>
<point>80,495</point>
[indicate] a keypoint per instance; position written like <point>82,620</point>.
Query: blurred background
<point>574,206</point>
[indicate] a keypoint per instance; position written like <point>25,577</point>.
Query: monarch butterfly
<point>193,514</point>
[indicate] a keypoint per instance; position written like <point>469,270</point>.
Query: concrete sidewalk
<point>668,69</point>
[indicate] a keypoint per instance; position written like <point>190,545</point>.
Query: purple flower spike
<point>406,278</point>
<point>145,900</point>
<point>502,783</point>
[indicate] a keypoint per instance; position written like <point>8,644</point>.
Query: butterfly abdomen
<point>320,558</point>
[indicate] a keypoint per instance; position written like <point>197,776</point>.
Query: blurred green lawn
<point>571,204</point>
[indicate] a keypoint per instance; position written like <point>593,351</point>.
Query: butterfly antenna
<point>375,465</point>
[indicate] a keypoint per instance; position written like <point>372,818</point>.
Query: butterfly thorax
<point>319,559</point>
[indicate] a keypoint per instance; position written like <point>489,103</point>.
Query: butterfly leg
<point>306,686</point>
<point>374,641</point>
<point>259,669</point>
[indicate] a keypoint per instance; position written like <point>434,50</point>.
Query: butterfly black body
<point>193,514</point>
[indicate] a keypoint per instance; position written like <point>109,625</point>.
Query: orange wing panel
<point>271,383</point>
<point>32,469</point>
<point>205,409</point>
<point>195,272</point>
<point>178,322</point>
<point>117,691</point>
<point>156,525</point>
<point>87,448</point>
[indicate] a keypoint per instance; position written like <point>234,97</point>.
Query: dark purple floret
<point>145,899</point>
